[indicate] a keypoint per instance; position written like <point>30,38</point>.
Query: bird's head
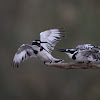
<point>70,51</point>
<point>37,42</point>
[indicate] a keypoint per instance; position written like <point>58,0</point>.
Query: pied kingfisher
<point>84,56</point>
<point>40,48</point>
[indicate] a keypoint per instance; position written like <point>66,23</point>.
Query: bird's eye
<point>68,50</point>
<point>34,43</point>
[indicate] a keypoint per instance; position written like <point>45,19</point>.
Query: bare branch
<point>72,65</point>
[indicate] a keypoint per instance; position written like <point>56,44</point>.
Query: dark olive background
<point>21,21</point>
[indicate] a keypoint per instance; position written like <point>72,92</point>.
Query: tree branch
<point>72,65</point>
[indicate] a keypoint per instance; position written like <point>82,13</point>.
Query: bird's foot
<point>81,62</point>
<point>89,62</point>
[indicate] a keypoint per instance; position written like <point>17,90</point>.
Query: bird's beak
<point>43,42</point>
<point>62,50</point>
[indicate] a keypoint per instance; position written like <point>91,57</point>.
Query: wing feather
<point>84,47</point>
<point>87,53</point>
<point>88,47</point>
<point>52,37</point>
<point>24,52</point>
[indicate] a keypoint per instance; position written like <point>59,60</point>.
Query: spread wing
<point>51,36</point>
<point>24,52</point>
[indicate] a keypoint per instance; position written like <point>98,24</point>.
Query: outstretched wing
<point>24,52</point>
<point>51,36</point>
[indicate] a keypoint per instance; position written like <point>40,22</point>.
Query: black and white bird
<point>40,48</point>
<point>83,56</point>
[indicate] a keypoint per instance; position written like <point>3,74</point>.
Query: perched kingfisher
<point>83,56</point>
<point>40,48</point>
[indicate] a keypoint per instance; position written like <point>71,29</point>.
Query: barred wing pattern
<point>84,47</point>
<point>91,55</point>
<point>51,36</point>
<point>88,47</point>
<point>24,52</point>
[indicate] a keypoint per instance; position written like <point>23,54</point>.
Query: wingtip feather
<point>15,64</point>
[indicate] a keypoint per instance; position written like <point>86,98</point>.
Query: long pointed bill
<point>62,50</point>
<point>43,42</point>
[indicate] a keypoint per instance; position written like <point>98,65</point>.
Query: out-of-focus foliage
<point>21,21</point>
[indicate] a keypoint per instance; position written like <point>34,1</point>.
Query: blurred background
<point>21,21</point>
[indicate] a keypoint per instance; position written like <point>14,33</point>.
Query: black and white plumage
<point>86,56</point>
<point>51,37</point>
<point>87,47</point>
<point>40,48</point>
